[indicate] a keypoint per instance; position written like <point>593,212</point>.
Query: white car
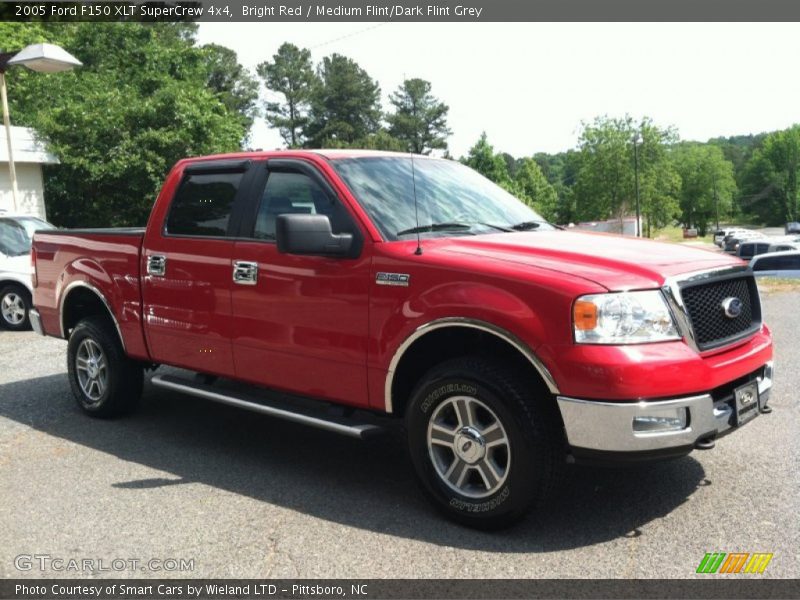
<point>777,264</point>
<point>784,246</point>
<point>16,272</point>
<point>721,234</point>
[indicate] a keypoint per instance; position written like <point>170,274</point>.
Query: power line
<point>349,35</point>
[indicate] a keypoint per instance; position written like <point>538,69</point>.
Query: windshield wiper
<point>528,225</point>
<point>436,227</point>
<point>497,227</point>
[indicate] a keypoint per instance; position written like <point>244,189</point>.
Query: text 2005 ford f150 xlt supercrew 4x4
<point>416,289</point>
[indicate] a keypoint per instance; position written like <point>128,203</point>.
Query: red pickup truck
<point>360,283</point>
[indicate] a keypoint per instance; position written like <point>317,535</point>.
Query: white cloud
<point>529,85</point>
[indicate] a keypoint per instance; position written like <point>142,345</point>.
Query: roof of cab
<point>330,154</point>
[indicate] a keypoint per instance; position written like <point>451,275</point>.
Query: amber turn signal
<point>584,315</point>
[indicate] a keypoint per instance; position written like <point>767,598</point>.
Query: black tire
<point>14,295</point>
<point>532,462</point>
<point>122,377</point>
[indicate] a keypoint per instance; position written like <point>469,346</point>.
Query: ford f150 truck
<point>410,287</point>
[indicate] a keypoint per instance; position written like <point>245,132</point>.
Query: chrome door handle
<point>245,273</point>
<point>156,265</point>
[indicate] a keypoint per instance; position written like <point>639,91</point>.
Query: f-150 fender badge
<point>402,279</point>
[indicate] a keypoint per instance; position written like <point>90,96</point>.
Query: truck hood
<point>612,261</point>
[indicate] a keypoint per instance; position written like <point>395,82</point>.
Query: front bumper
<point>36,321</point>
<point>597,430</point>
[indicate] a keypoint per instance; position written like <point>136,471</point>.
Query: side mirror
<point>311,235</point>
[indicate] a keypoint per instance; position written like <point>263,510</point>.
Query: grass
<point>769,285</point>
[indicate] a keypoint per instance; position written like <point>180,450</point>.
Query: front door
<point>300,322</point>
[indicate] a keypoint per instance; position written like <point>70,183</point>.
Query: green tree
<point>236,87</point>
<point>781,152</point>
<point>606,181</point>
<point>15,36</point>
<point>535,188</point>
<point>483,159</point>
<point>761,198</point>
<point>380,140</point>
<point>561,171</point>
<point>141,102</point>
<point>659,182</point>
<point>345,105</point>
<point>419,119</point>
<point>290,74</point>
<point>707,183</point>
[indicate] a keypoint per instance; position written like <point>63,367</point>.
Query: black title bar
<point>256,11</point>
<point>412,589</point>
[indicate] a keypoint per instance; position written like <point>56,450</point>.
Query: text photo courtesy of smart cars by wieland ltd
<point>414,304</point>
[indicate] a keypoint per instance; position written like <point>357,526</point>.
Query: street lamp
<point>43,58</point>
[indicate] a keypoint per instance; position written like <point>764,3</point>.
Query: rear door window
<point>768,263</point>
<point>203,204</point>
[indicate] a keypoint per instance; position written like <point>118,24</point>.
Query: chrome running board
<point>273,408</point>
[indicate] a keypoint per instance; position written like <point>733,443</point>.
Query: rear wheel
<point>486,442</point>
<point>15,303</point>
<point>104,381</point>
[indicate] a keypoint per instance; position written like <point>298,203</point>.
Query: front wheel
<point>486,442</point>
<point>104,381</point>
<point>15,304</point>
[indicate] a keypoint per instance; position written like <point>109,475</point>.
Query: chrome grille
<point>703,302</point>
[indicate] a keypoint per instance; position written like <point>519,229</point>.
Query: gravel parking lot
<point>248,496</point>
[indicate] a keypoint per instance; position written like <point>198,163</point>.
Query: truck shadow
<point>368,485</point>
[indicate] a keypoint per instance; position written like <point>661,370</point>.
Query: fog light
<point>659,421</point>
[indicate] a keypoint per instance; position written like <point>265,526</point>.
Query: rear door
<point>300,322</point>
<point>187,255</point>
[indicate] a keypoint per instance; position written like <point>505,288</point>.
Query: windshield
<point>16,234</point>
<point>452,199</point>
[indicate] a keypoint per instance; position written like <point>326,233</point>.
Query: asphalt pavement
<point>243,495</point>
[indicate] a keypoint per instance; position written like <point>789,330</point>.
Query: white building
<point>29,156</point>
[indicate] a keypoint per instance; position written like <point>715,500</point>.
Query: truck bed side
<point>76,268</point>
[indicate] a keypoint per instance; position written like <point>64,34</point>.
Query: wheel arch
<point>81,299</point>
<point>6,279</point>
<point>433,335</point>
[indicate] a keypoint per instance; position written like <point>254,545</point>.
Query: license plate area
<point>746,403</point>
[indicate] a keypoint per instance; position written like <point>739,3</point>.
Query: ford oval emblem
<point>732,307</point>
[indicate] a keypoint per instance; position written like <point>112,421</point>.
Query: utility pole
<point>636,179</point>
<point>716,201</point>
<point>12,172</point>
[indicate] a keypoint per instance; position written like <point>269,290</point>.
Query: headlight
<point>623,318</point>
